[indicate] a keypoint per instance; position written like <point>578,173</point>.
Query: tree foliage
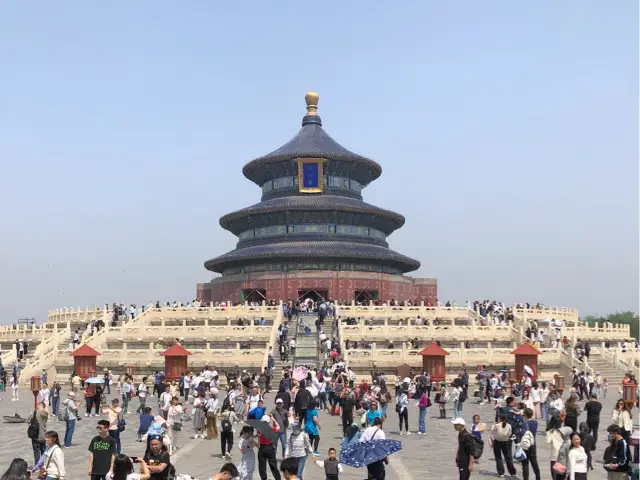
<point>625,318</point>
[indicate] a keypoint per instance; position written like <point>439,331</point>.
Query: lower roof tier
<point>312,251</point>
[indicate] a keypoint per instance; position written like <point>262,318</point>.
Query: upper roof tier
<point>311,142</point>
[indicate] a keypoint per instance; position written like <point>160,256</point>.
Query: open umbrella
<point>94,380</point>
<point>265,429</point>
<point>362,454</point>
<point>527,369</point>
<point>300,373</point>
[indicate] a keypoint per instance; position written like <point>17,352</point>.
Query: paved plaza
<point>430,456</point>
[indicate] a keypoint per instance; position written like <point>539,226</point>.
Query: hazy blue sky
<point>507,133</point>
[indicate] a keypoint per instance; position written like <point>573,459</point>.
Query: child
<point>477,429</point>
<point>332,467</point>
<point>441,399</point>
<point>146,419</point>
<point>605,386</point>
<point>247,445</point>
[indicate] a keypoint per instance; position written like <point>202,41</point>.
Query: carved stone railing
<point>274,336</point>
<point>391,358</point>
<point>445,313</point>
<point>405,332</point>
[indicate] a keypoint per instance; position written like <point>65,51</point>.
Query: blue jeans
<point>115,434</point>
<point>544,411</point>
<point>283,441</point>
<point>422,428</point>
<point>55,405</point>
<point>457,408</point>
<point>68,433</point>
<point>301,462</point>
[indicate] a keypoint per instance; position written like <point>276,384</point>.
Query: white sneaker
<point>401,433</point>
<point>227,456</point>
<point>408,433</point>
<point>86,414</point>
<point>419,433</point>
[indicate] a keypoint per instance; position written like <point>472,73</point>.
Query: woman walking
<point>247,446</point>
<point>211,407</point>
<point>53,465</point>
<point>198,416</point>
<point>227,418</point>
<point>402,402</point>
<point>298,446</point>
<point>422,405</point>
<point>240,401</point>
<point>572,411</point>
<point>501,440</point>
<point>174,422</point>
<point>312,427</point>
<point>623,418</point>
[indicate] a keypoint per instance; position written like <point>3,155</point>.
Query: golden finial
<point>311,98</point>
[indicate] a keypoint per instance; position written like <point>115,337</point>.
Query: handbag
<point>176,427</point>
<point>559,468</point>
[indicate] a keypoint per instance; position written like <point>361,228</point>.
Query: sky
<point>507,133</point>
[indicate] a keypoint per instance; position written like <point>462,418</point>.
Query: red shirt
<point>262,440</point>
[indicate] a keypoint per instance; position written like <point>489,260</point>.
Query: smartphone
<point>135,459</point>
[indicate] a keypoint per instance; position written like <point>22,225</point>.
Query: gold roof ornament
<point>311,98</point>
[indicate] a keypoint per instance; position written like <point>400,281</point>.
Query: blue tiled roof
<point>314,203</point>
<point>321,250</point>
<point>310,141</point>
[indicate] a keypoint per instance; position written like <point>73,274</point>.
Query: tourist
<point>267,452</point>
<point>301,401</point>
<point>70,415</point>
<point>456,394</point>
<point>402,402</point>
<point>528,444</point>
<point>123,468</point>
<point>441,399</point>
<point>331,465</point>
<point>103,451</point>
<point>572,411</point>
<point>536,397</point>
<point>15,395</point>
<point>502,446</point>
<point>544,401</point>
<point>174,422</point>
<point>127,390</point>
<point>228,471</point>
<point>158,459</point>
<point>227,418</point>
<point>199,419</point>
<point>39,421</point>
<point>348,406</point>
<point>623,418</point>
<point>312,427</point>
<point>587,442</point>
<point>289,469</point>
<point>593,408</point>
<point>240,399</point>
<point>142,395</point>
<point>211,408</point>
<point>466,450</point>
<point>577,459</point>
<point>562,460</point>
<point>617,457</point>
<point>114,412</point>
<point>247,445</point>
<point>146,419</point>
<point>89,393</point>
<point>55,398</point>
<point>53,464</point>
<point>422,405</point>
<point>18,470</point>
<point>44,395</point>
<point>298,447</point>
<point>281,416</point>
<point>351,437</point>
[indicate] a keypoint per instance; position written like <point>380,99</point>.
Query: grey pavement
<point>430,456</point>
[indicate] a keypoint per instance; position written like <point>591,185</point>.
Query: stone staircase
<point>307,345</point>
<point>613,374</point>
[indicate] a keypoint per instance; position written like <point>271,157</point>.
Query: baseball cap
<point>459,421</point>
<point>279,400</point>
<point>266,418</point>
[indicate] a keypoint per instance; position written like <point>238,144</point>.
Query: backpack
<point>63,412</point>
<point>478,447</point>
<point>447,396</point>
<point>225,425</point>
<point>122,424</point>
<point>33,430</point>
<point>527,440</point>
<point>226,403</point>
<point>463,396</point>
<point>518,425</point>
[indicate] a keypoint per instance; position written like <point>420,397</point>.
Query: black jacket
<point>618,453</point>
<point>303,399</point>
<point>466,448</point>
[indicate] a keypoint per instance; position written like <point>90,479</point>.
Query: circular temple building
<point>312,235</point>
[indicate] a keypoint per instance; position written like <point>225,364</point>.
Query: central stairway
<point>307,345</point>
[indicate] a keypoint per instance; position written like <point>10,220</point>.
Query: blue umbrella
<point>94,380</point>
<point>362,454</point>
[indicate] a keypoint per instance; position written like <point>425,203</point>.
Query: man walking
<point>103,451</point>
<point>593,408</point>
<point>466,449</point>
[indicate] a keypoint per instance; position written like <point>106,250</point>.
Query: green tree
<point>625,318</point>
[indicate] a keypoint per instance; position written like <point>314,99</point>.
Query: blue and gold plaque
<point>310,175</point>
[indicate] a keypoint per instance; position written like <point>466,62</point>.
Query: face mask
<point>610,437</point>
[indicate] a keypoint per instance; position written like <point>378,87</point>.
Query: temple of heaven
<point>312,235</point>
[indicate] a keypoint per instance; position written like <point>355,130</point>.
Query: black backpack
<point>463,395</point>
<point>478,447</point>
<point>33,430</point>
<point>226,425</point>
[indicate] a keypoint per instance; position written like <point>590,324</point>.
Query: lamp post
<point>559,383</point>
<point>629,393</point>
<point>35,389</point>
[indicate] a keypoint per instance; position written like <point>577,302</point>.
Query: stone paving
<point>430,456</point>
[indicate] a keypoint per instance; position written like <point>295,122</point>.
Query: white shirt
<point>142,390</point>
<point>369,432</point>
<point>253,401</point>
<point>208,375</point>
<point>577,462</point>
<point>292,343</point>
